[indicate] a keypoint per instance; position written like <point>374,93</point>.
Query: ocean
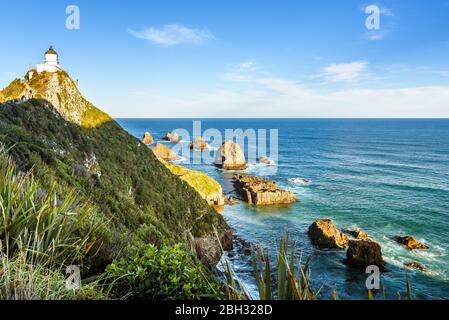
<point>386,177</point>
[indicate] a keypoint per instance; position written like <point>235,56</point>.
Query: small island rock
<point>172,137</point>
<point>258,191</point>
<point>147,138</point>
<point>230,157</point>
<point>325,235</point>
<point>198,144</point>
<point>362,253</point>
<point>411,243</point>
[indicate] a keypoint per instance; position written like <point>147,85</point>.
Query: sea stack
<point>147,138</point>
<point>230,157</point>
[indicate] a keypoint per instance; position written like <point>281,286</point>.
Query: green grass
<point>136,198</point>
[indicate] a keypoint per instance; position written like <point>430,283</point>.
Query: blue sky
<point>241,58</point>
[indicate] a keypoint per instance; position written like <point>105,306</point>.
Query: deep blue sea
<point>386,177</point>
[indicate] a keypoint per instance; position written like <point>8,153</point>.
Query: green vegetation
<point>292,283</point>
<point>40,232</point>
<point>201,182</point>
<point>165,273</point>
<point>78,189</point>
<point>135,195</point>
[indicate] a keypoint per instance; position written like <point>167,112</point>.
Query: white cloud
<point>241,72</point>
<point>344,72</point>
<point>173,34</point>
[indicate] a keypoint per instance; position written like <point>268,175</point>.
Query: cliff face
<point>64,139</point>
<point>61,92</point>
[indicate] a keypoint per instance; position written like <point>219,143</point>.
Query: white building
<point>51,62</point>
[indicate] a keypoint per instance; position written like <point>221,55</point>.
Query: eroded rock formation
<point>259,191</point>
<point>325,235</point>
<point>230,157</point>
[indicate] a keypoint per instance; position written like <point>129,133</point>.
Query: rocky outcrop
<point>198,144</point>
<point>325,235</point>
<point>230,157</point>
<point>358,234</point>
<point>259,191</point>
<point>362,253</point>
<point>62,93</point>
<point>165,153</point>
<point>147,138</point>
<point>209,249</point>
<point>207,187</point>
<point>411,243</point>
<point>415,265</point>
<point>172,137</point>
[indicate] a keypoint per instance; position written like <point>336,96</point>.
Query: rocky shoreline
<point>361,250</point>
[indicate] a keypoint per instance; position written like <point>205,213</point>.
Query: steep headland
<point>49,128</point>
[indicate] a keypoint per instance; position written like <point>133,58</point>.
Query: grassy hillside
<point>137,199</point>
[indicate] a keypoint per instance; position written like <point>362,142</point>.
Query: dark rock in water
<point>325,235</point>
<point>259,191</point>
<point>362,253</point>
<point>415,265</point>
<point>411,243</point>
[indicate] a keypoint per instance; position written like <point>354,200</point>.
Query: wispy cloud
<point>344,72</point>
<point>173,34</point>
<point>241,71</point>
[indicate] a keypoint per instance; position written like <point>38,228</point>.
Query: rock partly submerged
<point>230,157</point>
<point>163,152</point>
<point>172,137</point>
<point>267,161</point>
<point>358,234</point>
<point>415,265</point>
<point>198,144</point>
<point>325,235</point>
<point>410,243</point>
<point>363,253</point>
<point>258,191</point>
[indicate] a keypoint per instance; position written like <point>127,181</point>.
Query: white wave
<point>181,159</point>
<point>302,181</point>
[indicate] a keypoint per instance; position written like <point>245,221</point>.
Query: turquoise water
<point>387,177</point>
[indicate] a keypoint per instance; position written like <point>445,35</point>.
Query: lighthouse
<point>51,62</point>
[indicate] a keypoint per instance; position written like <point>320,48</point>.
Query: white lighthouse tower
<point>51,62</point>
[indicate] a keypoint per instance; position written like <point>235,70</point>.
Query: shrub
<point>166,273</point>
